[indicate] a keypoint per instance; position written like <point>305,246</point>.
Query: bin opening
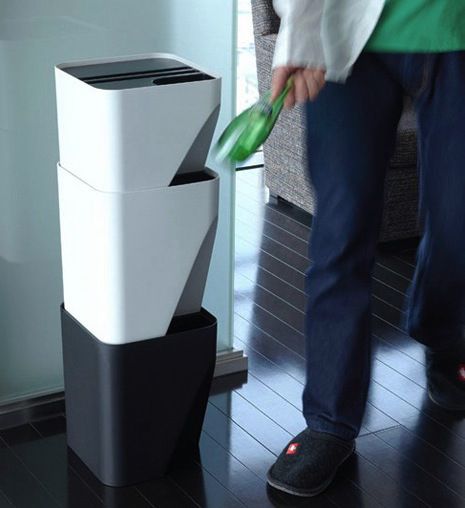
<point>191,322</point>
<point>136,73</point>
<point>182,78</point>
<point>191,177</point>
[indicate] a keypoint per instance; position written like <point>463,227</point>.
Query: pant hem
<point>437,339</point>
<point>334,430</point>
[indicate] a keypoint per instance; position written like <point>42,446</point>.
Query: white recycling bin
<point>138,209</point>
<point>138,219</point>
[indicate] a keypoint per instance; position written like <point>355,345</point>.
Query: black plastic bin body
<point>134,409</point>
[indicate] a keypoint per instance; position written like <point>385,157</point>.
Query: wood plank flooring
<point>409,453</point>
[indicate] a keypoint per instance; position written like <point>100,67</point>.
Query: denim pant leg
<point>436,312</point>
<point>351,130</point>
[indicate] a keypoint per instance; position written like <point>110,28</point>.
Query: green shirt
<point>420,26</point>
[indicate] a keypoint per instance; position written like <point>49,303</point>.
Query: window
<point>247,86</point>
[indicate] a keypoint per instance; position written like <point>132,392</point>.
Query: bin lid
<point>136,73</point>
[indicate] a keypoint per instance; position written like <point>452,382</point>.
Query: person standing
<point>352,63</point>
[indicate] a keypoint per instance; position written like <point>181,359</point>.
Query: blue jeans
<point>351,131</point>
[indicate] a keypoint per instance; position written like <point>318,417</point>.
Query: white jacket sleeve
<point>299,40</point>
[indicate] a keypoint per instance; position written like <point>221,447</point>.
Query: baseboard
<point>230,362</point>
<point>32,408</point>
<point>48,406</point>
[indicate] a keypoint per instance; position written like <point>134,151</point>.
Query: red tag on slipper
<point>461,372</point>
<point>292,448</point>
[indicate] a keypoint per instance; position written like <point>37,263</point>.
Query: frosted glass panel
<point>196,34</point>
<point>34,36</point>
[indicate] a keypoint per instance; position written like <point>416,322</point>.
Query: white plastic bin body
<point>134,138</point>
<point>124,269</point>
<point>136,241</point>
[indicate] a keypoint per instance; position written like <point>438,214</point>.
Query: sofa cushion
<point>265,20</point>
<point>405,154</point>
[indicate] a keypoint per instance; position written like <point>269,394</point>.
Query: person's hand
<point>308,83</point>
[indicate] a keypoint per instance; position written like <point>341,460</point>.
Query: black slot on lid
<point>181,78</point>
<point>143,65</point>
<point>136,73</point>
<point>139,75</point>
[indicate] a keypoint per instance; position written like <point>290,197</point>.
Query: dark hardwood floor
<point>409,454</point>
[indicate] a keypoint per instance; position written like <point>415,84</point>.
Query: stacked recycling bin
<point>138,219</point>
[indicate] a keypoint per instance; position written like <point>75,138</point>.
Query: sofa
<point>285,150</point>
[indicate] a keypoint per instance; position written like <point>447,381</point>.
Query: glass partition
<point>34,36</point>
